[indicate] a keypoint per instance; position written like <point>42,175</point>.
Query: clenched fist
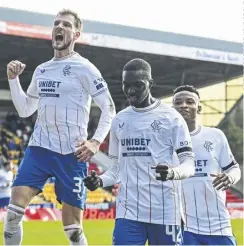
<point>14,69</point>
<point>93,181</point>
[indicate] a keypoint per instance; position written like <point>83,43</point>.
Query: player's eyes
<point>67,24</point>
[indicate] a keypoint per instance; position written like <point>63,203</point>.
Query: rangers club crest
<point>208,146</point>
<point>156,125</point>
<point>66,70</point>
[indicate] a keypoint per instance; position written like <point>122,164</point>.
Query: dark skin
<point>188,105</point>
<point>137,87</point>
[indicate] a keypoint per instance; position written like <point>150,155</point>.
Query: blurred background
<point>211,61</point>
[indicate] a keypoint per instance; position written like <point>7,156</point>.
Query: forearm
<point>186,168</point>
<point>105,103</point>
<point>234,173</point>
<point>111,176</point>
<point>24,105</point>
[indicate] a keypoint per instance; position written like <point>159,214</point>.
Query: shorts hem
<point>70,203</point>
<point>30,186</point>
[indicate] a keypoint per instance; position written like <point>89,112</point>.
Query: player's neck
<point>63,53</point>
<point>147,102</point>
<point>192,125</point>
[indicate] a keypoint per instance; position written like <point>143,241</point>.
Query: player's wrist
<point>231,179</point>
<point>95,141</point>
<point>171,174</point>
<point>100,182</point>
<point>12,79</point>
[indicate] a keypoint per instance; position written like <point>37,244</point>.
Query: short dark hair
<point>189,88</point>
<point>78,21</point>
<point>137,64</point>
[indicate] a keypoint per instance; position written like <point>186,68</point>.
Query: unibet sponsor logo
<point>48,88</point>
<point>49,83</point>
<point>135,147</point>
<point>135,141</point>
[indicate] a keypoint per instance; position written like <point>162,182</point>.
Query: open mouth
<point>59,37</point>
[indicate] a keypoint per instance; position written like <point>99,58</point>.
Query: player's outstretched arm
<point>183,147</point>
<point>231,170</point>
<point>25,105</point>
<point>111,176</point>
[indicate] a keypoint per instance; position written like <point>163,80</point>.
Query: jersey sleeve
<point>111,176</point>
<point>93,81</point>
<point>32,89</point>
<point>113,150</point>
<point>226,157</point>
<point>180,135</point>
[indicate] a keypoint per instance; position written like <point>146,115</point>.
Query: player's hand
<point>87,149</point>
<point>14,69</point>
<point>164,171</point>
<point>93,181</point>
<point>115,189</point>
<point>221,181</point>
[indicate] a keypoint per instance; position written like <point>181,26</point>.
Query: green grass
<point>98,232</point>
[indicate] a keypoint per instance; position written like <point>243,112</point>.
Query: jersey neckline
<point>64,57</point>
<point>196,131</point>
<point>146,109</point>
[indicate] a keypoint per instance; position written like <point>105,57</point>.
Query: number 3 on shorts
<point>78,184</point>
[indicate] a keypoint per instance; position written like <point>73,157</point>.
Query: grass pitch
<point>98,232</point>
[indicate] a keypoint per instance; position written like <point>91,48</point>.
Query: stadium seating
<point>233,198</point>
<point>48,195</point>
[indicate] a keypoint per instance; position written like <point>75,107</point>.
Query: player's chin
<point>134,102</point>
<point>59,46</point>
<point>185,117</point>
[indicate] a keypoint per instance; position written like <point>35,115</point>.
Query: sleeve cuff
<point>11,81</point>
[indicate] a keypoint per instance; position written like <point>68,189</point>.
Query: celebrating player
<point>142,136</point>
<point>207,221</point>
<point>61,91</point>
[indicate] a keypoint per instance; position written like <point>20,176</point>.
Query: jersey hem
<point>208,233</point>
<point>152,221</point>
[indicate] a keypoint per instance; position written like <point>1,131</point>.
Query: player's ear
<point>151,82</point>
<point>199,110</point>
<point>77,35</point>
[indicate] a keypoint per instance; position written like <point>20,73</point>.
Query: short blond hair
<point>78,21</point>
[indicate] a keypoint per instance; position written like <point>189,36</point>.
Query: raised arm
<point>25,104</point>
